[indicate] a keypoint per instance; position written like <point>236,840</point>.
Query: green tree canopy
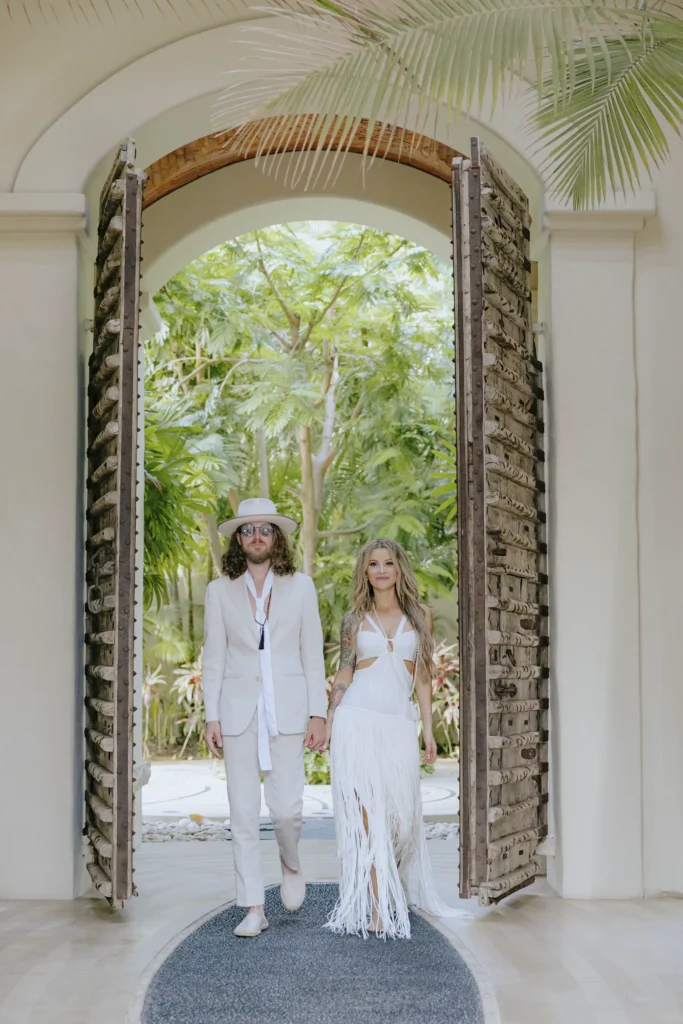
<point>311,363</point>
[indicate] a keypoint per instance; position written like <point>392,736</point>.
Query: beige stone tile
<point>550,961</point>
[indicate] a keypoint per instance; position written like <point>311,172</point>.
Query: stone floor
<point>539,959</point>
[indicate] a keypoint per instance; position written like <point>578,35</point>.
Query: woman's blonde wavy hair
<point>407,594</point>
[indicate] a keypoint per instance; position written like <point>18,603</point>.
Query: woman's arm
<point>347,664</point>
<point>423,692</point>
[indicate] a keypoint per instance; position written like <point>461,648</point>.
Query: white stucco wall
<point>595,671</point>
<point>609,295</point>
<point>659,361</point>
<point>41,533</point>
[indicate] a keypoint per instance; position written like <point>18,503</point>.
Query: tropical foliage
<point>174,717</point>
<point>608,76</point>
<point>177,491</point>
<point>312,364</point>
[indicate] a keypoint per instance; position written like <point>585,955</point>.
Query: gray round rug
<point>298,973</point>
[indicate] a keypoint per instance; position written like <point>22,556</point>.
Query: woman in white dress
<point>386,655</point>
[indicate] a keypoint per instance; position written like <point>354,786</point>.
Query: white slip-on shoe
<point>293,890</point>
<point>252,925</point>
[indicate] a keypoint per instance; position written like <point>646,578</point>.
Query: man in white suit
<point>264,694</point>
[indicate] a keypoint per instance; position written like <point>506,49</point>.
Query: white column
<point>41,541</point>
<point>660,370</point>
<point>595,680</point>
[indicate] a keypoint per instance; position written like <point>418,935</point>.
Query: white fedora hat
<point>257,510</point>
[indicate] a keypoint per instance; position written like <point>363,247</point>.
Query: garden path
<point>177,789</point>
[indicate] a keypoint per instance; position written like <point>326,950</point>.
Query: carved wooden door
<point>111,533</point>
<point>501,536</point>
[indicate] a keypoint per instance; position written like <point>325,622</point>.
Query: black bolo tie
<point>262,625</point>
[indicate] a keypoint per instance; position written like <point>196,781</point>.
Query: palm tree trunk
<point>215,544</point>
<point>309,526</point>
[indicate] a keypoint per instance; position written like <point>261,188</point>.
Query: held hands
<point>328,731</point>
<point>429,754</point>
<point>315,734</point>
<point>214,738</point>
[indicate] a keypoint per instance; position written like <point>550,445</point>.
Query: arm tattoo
<point>338,691</point>
<point>347,659</point>
<point>347,656</point>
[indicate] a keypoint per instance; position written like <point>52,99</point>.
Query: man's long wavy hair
<point>407,594</point>
<point>282,562</point>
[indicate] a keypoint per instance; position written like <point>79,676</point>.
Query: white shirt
<point>266,715</point>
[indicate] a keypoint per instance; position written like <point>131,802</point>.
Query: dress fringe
<point>375,770</point>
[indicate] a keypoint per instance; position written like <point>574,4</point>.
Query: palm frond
<point>359,64</point>
<point>613,125</point>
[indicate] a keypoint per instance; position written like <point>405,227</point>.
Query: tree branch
<point>290,490</point>
<point>315,320</point>
<point>292,319</point>
<point>383,261</point>
<point>329,367</point>
<point>283,341</point>
<point>318,318</point>
<point>351,529</point>
<point>326,463</point>
<point>176,369</point>
<point>325,457</point>
<point>240,362</point>
<point>197,369</point>
<point>330,414</point>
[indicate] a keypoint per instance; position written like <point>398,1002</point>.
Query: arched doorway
<point>501,519</point>
<point>204,156</point>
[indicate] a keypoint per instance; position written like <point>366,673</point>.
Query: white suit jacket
<point>231,667</point>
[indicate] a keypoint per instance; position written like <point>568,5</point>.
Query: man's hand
<point>315,734</point>
<point>214,738</point>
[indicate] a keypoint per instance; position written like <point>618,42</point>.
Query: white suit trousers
<point>284,793</point>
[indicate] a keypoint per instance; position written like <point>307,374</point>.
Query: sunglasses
<point>265,529</point>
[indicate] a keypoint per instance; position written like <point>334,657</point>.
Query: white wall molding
<point>42,212</point>
<point>623,214</point>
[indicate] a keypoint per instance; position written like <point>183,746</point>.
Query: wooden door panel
<point>111,533</point>
<point>502,554</point>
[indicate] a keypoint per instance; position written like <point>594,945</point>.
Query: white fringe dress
<point>375,767</point>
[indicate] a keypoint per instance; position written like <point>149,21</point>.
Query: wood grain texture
<point>503,583</point>
<point>110,542</point>
<point>213,152</point>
